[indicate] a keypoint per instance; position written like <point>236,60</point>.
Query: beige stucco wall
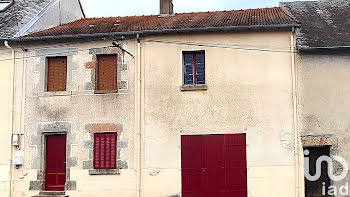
<point>249,91</point>
<point>5,88</point>
<point>324,106</point>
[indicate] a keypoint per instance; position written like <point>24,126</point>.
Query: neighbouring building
<point>323,84</point>
<point>191,104</point>
<point>18,18</point>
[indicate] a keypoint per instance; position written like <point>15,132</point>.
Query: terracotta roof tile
<point>239,18</point>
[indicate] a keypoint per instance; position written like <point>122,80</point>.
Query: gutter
<point>10,132</point>
<point>334,49</point>
<point>155,32</point>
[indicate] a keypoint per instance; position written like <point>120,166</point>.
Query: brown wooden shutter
<point>56,74</point>
<point>107,72</point>
<point>105,151</point>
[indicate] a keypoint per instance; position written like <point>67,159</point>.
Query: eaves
<point>325,50</point>
<point>163,31</point>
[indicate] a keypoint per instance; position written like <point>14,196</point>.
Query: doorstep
<point>51,194</point>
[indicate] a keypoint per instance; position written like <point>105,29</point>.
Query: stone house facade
<point>18,18</point>
<point>137,101</point>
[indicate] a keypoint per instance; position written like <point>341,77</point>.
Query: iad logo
<point>330,167</point>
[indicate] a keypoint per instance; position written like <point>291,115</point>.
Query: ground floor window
<point>105,150</point>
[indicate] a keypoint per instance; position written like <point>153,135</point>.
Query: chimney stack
<point>166,8</point>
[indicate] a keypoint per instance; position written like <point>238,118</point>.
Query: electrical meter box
<point>17,160</point>
<point>15,139</point>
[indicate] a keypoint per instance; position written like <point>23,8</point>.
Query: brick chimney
<point>166,8</point>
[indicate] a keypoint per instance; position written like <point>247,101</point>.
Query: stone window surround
<point>309,141</point>
<point>193,87</point>
<point>41,68</point>
<point>38,162</point>
<point>92,66</point>
<point>319,141</point>
<point>91,129</point>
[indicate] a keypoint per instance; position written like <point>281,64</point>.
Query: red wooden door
<point>214,165</point>
<point>235,166</point>
<point>191,164</point>
<point>55,163</point>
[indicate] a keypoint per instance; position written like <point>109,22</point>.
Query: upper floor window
<point>56,74</point>
<point>194,67</point>
<point>107,72</point>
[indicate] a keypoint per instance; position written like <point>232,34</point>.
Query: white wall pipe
<point>138,112</point>
<point>10,132</point>
<point>295,112</point>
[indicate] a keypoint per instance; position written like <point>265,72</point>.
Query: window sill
<point>105,91</point>
<point>59,93</point>
<point>104,172</point>
<point>193,87</point>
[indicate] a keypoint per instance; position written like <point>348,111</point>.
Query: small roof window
<point>4,4</point>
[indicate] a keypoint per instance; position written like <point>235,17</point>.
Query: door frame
<point>38,142</point>
<point>206,134</point>
<point>44,158</point>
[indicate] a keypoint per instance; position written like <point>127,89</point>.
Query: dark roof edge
<point>335,49</point>
<point>154,32</point>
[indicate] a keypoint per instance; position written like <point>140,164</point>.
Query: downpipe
<point>138,115</point>
<point>295,112</point>
<point>10,132</point>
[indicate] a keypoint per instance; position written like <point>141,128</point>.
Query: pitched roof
<point>324,24</point>
<point>13,19</point>
<point>259,18</point>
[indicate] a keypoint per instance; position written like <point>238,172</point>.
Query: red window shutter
<point>107,72</point>
<point>105,149</point>
<point>97,150</point>
<point>102,151</point>
<point>113,151</point>
<point>56,74</point>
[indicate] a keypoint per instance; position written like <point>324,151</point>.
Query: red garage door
<point>214,165</point>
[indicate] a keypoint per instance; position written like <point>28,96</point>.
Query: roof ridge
<point>259,18</point>
<point>182,13</point>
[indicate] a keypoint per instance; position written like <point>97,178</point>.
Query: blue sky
<point>98,8</point>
